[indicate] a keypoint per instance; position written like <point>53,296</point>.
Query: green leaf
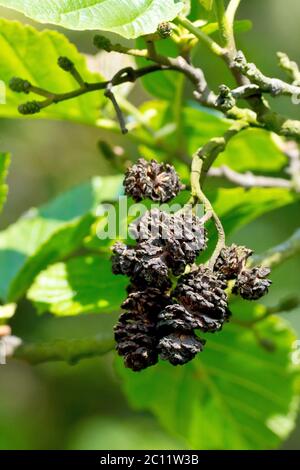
<point>127,18</point>
<point>240,26</point>
<point>28,245</point>
<point>32,55</point>
<point>4,164</point>
<point>234,395</point>
<point>253,149</point>
<point>81,285</point>
<point>238,206</point>
<point>61,243</point>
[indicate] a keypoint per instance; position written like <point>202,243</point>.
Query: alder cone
<point>202,293</point>
<point>123,259</point>
<point>232,261</point>
<point>136,341</point>
<point>135,332</point>
<point>179,347</point>
<point>176,317</point>
<point>177,238</point>
<point>252,284</point>
<point>153,180</point>
<point>147,303</point>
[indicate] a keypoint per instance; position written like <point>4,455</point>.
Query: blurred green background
<point>57,406</point>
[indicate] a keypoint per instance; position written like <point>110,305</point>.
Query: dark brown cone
<point>179,348</point>
<point>232,261</point>
<point>202,293</point>
<point>252,284</point>
<point>153,180</point>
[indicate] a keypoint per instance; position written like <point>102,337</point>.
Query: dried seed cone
<point>123,259</point>
<point>136,342</point>
<point>177,238</point>
<point>203,293</point>
<point>147,303</point>
<point>153,180</point>
<point>176,317</point>
<point>252,284</point>
<point>232,261</point>
<point>135,332</point>
<point>179,348</point>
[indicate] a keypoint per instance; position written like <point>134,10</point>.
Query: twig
<point>70,351</point>
<point>109,94</point>
<point>280,253</point>
<point>201,163</point>
<point>199,196</point>
<point>289,66</point>
<point>249,180</point>
<point>127,74</point>
<point>291,149</point>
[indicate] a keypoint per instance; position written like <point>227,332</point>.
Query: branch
<point>274,86</point>
<point>280,253</point>
<point>249,180</point>
<point>70,351</point>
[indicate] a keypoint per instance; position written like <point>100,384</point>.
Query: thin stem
<point>201,163</point>
<point>177,108</point>
<point>230,15</point>
<point>199,196</point>
<point>222,20</point>
<point>204,38</point>
<point>231,10</point>
<point>76,75</point>
<point>110,95</point>
<point>289,66</point>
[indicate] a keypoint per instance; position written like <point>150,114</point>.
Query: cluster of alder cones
<point>169,297</point>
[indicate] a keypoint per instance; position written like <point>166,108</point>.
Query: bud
<point>103,43</point>
<point>19,85</point>
<point>65,64</point>
<point>165,30</point>
<point>31,107</point>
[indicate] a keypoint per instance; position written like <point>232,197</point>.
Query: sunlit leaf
<point>128,18</point>
<point>80,285</point>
